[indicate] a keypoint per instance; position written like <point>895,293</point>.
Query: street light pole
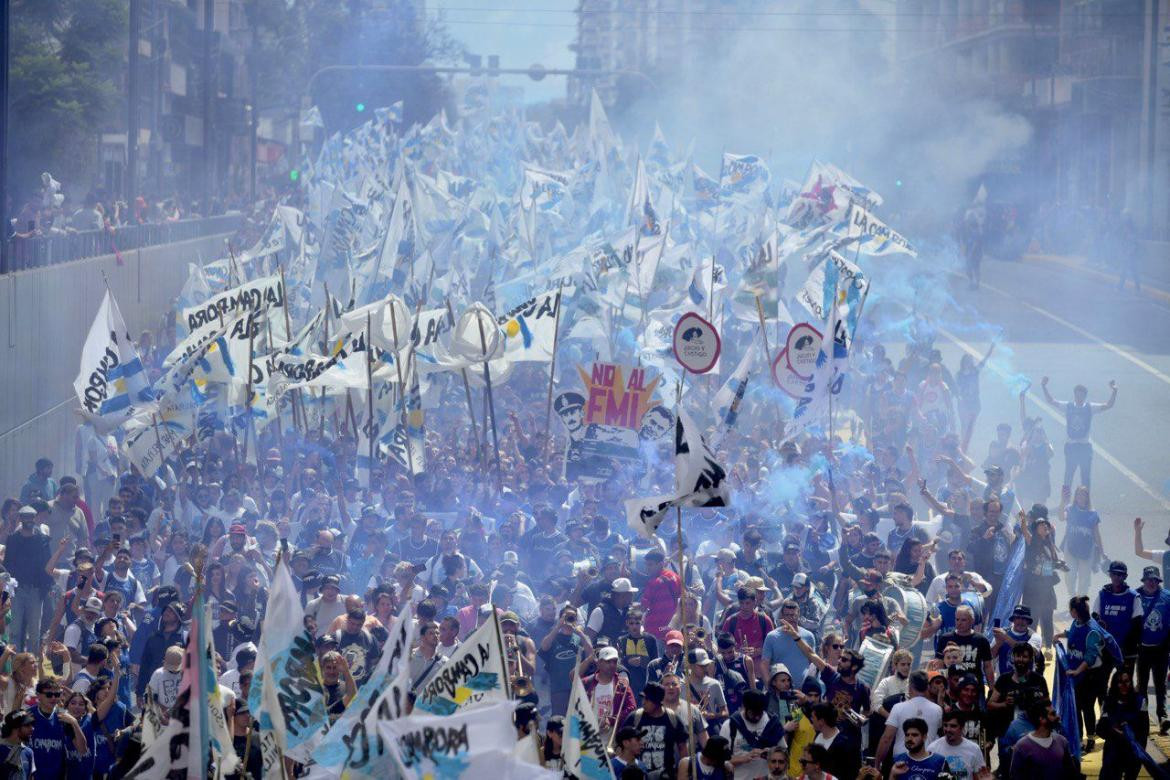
<point>4,38</point>
<point>132,102</point>
<point>205,177</point>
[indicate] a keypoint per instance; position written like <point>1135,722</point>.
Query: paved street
<point>1078,328</point>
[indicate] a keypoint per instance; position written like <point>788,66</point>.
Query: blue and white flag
<point>584,743</point>
<point>286,692</point>
<point>111,381</point>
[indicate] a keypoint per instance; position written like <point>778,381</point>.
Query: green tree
<point>68,60</point>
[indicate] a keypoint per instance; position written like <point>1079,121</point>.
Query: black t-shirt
<point>1031,689</point>
<point>974,724</point>
<point>334,700</point>
<point>976,650</point>
<point>664,733</point>
<point>559,660</point>
<point>360,650</point>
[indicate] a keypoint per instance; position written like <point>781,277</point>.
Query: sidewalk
<point>1153,286</point>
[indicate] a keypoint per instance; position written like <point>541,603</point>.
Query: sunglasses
<point>51,694</point>
<point>837,647</point>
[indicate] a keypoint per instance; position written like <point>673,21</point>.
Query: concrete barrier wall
<point>45,316</point>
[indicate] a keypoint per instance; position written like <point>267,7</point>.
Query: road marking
<point>1045,407</point>
<point>1137,361</point>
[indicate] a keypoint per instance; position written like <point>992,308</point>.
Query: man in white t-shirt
<point>917,706</point>
<point>964,758</point>
<point>164,683</point>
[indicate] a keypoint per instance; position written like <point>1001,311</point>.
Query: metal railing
<point>42,251</point>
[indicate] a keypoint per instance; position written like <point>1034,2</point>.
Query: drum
<point>913,606</point>
<point>877,660</point>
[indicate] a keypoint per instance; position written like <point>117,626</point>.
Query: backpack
<point>733,623</point>
<point>1112,650</point>
<point>670,714</point>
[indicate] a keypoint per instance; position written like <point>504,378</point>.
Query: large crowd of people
<point>867,599</point>
<point>759,673</point>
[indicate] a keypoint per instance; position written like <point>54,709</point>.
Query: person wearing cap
<point>1152,639</point>
<point>15,735</point>
<point>1120,611</point>
<point>791,563</point>
<point>164,681</point>
<point>608,692</point>
<point>664,734</point>
<point>705,690</point>
<point>671,659</point>
<point>168,633</point>
<point>329,605</point>
<point>627,750</point>
<point>609,617</point>
<point>26,555</point>
<point>80,634</point>
<point>812,606</point>
<point>1019,632</point>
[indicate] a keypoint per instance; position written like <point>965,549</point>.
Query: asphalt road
<point>1077,328</point>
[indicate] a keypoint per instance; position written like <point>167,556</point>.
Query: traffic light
<point>294,175</point>
<point>897,182</point>
<point>360,107</point>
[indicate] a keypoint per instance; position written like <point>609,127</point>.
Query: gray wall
<point>45,316</point>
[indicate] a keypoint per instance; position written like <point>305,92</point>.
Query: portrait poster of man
<point>608,422</point>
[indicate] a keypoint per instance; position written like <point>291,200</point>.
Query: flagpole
<point>401,387</point>
<point>158,440</point>
<point>682,573</point>
<point>764,331</point>
<point>370,402</point>
<point>321,427</point>
<point>487,378</point>
<point>288,334</point>
<point>276,405</point>
<point>552,370</point>
<point>466,387</point>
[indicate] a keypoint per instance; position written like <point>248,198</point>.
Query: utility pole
<point>205,178</point>
<point>132,88</point>
<point>4,38</point>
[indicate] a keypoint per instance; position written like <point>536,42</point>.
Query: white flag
<point>347,747</point>
<point>475,674</point>
<point>111,380</point>
<point>450,746</point>
<point>699,480</point>
<point>286,687</point>
<point>584,745</point>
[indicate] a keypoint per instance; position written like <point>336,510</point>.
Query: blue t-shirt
<point>1156,609</point>
<point>48,743</point>
<point>925,769</point>
<point>118,717</point>
<point>782,649</point>
<point>1079,538</point>
<point>78,766</point>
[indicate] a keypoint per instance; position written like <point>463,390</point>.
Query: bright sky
<point>521,32</point>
